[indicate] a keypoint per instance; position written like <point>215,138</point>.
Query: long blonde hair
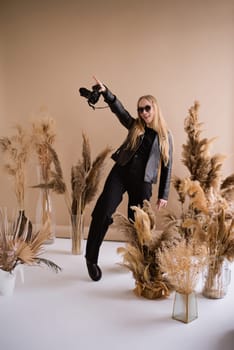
<point>158,124</point>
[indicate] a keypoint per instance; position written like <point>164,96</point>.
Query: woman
<point>145,154</point>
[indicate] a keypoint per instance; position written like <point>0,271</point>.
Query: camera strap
<point>90,104</point>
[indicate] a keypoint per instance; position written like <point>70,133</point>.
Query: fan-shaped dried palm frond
<point>15,249</point>
<point>47,262</point>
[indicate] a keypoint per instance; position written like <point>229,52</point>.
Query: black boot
<point>94,271</point>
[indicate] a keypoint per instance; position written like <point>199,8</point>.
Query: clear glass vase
<point>45,212</point>
<point>185,307</point>
<point>77,233</point>
<point>216,278</point>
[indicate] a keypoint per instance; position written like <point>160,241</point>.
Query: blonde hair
<point>158,124</point>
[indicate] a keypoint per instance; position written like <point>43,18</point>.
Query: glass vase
<point>46,213</point>
<point>77,233</point>
<point>185,307</point>
<point>24,225</point>
<point>216,278</point>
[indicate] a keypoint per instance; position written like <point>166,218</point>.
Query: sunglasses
<point>146,108</point>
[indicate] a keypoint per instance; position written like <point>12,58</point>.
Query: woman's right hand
<point>103,88</point>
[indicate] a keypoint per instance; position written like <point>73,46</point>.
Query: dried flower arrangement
<point>85,178</point>
<point>140,254</point>
<point>50,171</point>
<point>208,216</point>
<point>16,150</point>
<point>42,138</point>
<point>182,262</point>
<point>206,221</point>
<point>21,249</point>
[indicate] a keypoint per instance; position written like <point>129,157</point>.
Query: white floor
<point>68,311</point>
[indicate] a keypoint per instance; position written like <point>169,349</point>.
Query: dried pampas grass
<point>196,157</point>
<point>182,265</point>
<point>43,138</point>
<point>206,199</point>
<point>43,135</point>
<point>85,176</point>
<point>16,151</point>
<point>85,179</point>
<point>208,217</point>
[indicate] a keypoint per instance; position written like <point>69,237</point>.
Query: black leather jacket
<point>122,156</point>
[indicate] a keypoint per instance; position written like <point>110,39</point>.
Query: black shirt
<point>136,166</point>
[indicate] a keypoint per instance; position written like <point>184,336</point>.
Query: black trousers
<point>119,181</point>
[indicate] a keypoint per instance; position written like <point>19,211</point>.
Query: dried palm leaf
<point>15,249</point>
<point>50,264</point>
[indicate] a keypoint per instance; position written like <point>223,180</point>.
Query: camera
<point>91,95</point>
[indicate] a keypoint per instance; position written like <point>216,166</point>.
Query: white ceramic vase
<point>7,281</point>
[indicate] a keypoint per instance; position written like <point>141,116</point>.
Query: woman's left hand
<point>161,203</point>
<point>102,86</point>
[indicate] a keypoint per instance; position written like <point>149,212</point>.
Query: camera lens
<point>94,97</point>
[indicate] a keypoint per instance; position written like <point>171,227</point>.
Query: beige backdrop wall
<point>179,51</point>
